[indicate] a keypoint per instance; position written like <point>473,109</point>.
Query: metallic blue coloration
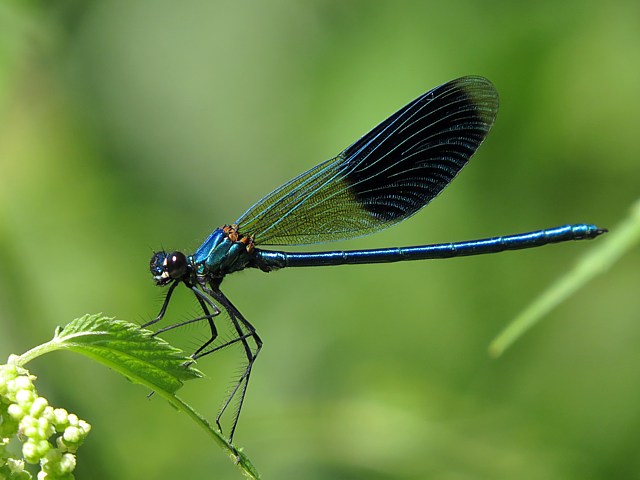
<point>207,251</point>
<point>219,255</point>
<point>383,178</point>
<point>275,260</point>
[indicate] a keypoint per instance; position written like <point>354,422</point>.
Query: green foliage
<point>125,348</point>
<point>139,356</point>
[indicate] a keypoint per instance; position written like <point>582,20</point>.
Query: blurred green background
<point>130,126</point>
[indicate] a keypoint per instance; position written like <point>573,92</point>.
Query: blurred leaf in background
<point>127,127</point>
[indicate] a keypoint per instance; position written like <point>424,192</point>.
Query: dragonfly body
<point>383,178</point>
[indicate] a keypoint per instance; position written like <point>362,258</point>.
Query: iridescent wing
<point>384,177</point>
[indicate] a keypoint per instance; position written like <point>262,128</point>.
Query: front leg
<point>205,303</point>
<point>164,307</point>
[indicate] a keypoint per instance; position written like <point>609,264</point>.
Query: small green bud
<point>38,406</point>
<point>15,411</point>
<point>67,463</point>
<point>73,419</point>
<point>45,429</point>
<point>42,447</point>
<point>25,396</point>
<point>48,413</point>
<point>23,382</point>
<point>15,465</point>
<point>30,452</point>
<point>85,426</point>
<point>72,435</point>
<point>61,418</point>
<point>29,427</point>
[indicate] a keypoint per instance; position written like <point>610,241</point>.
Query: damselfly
<point>383,178</point>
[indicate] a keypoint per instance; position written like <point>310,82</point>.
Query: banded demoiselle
<point>383,178</point>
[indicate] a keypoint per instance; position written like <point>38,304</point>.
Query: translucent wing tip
<point>482,93</point>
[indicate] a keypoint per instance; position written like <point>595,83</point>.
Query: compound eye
<point>156,265</point>
<point>176,265</point>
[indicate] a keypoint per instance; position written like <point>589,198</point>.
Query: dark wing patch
<point>384,177</point>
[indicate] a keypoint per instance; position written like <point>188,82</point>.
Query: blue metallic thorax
<point>220,255</point>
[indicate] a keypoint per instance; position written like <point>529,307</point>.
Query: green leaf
<point>125,348</point>
<point>141,357</point>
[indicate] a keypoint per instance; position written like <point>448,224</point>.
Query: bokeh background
<point>130,126</point>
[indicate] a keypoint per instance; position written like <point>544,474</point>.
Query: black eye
<point>176,265</point>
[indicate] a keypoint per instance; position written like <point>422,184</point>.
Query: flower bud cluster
<point>49,436</point>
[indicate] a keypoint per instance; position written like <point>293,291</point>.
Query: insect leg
<point>251,352</point>
<point>164,307</point>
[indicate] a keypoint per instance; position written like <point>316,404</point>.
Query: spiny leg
<point>203,300</point>
<point>226,344</point>
<point>238,322</point>
<point>208,316</point>
<point>182,324</point>
<point>243,381</point>
<point>164,307</point>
